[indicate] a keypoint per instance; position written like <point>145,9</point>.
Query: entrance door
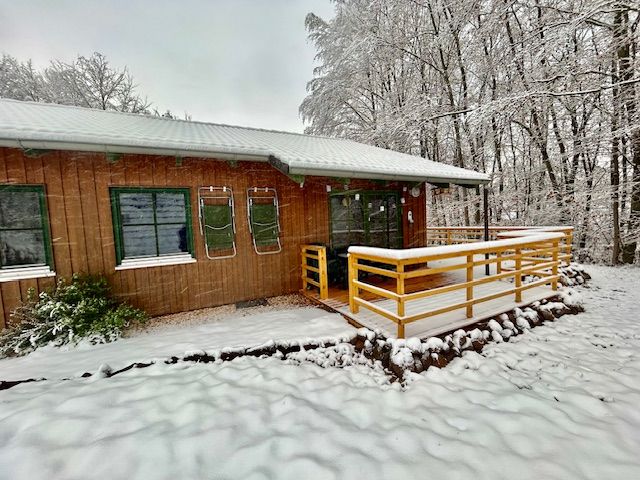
<point>370,218</point>
<point>384,220</point>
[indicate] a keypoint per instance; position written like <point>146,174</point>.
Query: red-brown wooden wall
<point>77,188</point>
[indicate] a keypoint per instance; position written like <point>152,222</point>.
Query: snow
<point>226,333</point>
<point>458,249</point>
<point>40,125</point>
<point>557,402</point>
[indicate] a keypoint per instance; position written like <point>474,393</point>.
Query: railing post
<point>554,269</point>
<point>400,330</point>
<point>322,266</point>
<point>499,262</point>
<point>469,287</point>
<point>303,251</point>
<point>400,288</point>
<point>448,237</point>
<point>518,274</point>
<point>353,288</point>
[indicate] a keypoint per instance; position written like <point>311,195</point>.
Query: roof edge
<point>141,150</point>
<point>385,176</point>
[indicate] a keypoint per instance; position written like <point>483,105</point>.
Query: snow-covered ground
<point>560,401</point>
<point>233,330</point>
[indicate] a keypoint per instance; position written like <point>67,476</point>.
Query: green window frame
<point>11,227</point>
<point>150,221</point>
<point>365,223</point>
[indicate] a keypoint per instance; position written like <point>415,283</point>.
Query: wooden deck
<point>339,301</point>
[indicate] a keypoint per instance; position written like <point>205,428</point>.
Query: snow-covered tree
<point>87,82</point>
<point>541,94</point>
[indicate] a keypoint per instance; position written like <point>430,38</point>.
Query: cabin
<point>182,215</point>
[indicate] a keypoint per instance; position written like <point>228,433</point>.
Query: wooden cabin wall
<point>77,189</point>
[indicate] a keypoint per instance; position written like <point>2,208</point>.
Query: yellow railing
<point>318,255</point>
<point>402,265</point>
<point>457,235</point>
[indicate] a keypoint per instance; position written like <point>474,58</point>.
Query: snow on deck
<point>559,402</point>
<point>293,324</point>
<point>449,321</point>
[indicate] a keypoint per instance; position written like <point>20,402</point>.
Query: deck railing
<point>457,235</point>
<point>315,275</point>
<point>543,248</point>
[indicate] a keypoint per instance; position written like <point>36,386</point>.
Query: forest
<point>541,94</point>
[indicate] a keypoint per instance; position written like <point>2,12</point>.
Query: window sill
<point>155,262</point>
<point>25,273</point>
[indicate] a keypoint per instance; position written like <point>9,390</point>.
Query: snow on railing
<point>456,235</point>
<point>535,253</point>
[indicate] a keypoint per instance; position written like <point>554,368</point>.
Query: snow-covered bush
<point>67,313</point>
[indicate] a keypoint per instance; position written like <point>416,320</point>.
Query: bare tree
<point>86,82</point>
<point>92,82</point>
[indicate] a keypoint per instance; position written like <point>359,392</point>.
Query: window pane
<point>139,241</point>
<point>170,208</point>
<point>395,237</point>
<point>22,247</point>
<point>377,222</point>
<point>172,239</point>
<point>340,240</point>
<point>356,237</point>
<point>356,214</point>
<point>347,222</point>
<point>136,208</point>
<point>339,214</point>
<point>19,209</point>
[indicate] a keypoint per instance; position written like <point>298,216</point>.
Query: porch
<point>428,291</point>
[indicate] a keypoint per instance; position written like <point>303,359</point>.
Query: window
<point>347,220</point>
<point>366,218</point>
<point>24,228</point>
<point>151,222</point>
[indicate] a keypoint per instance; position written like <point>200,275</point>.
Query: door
<point>366,218</point>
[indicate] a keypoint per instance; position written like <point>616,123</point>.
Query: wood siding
<point>77,189</point>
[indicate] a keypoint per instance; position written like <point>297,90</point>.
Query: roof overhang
<point>235,155</point>
<point>347,173</point>
<point>142,150</point>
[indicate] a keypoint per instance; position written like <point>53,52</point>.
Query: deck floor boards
<point>339,301</point>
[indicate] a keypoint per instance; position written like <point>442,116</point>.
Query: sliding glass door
<point>371,218</point>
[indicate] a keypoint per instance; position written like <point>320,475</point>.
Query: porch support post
<point>485,203</point>
<point>353,288</point>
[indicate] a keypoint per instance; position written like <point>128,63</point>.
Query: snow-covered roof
<point>59,127</point>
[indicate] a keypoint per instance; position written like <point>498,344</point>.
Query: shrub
<point>67,313</point>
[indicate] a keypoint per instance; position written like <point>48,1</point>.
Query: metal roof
<point>60,127</point>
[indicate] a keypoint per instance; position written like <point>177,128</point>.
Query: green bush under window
<point>71,311</point>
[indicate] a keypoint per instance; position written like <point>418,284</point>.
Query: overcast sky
<point>242,62</point>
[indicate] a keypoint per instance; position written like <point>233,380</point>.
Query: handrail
<point>535,253</point>
<point>457,235</point>
<point>318,254</point>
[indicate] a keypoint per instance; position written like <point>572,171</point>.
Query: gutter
<point>383,176</point>
<point>221,154</point>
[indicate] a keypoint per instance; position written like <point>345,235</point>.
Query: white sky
<point>242,62</point>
